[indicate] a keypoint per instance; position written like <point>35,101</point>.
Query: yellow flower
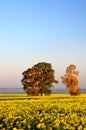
<point>14,128</point>
<point>29,126</point>
<point>41,126</point>
<point>1,125</point>
<point>80,127</point>
<point>24,121</point>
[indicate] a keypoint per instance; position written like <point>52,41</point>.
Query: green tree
<point>39,79</point>
<point>70,79</point>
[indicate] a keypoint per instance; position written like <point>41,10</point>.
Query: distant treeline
<point>21,91</point>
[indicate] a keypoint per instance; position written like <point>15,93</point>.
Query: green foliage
<point>39,79</point>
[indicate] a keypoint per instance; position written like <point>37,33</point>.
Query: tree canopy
<point>39,79</point>
<point>70,79</point>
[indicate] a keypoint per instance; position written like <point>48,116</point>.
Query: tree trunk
<point>40,91</point>
<point>74,90</point>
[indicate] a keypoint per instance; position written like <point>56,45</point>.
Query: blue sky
<point>32,31</point>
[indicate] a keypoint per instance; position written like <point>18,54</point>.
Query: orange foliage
<point>70,79</point>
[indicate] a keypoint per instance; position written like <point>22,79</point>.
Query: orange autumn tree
<point>70,79</point>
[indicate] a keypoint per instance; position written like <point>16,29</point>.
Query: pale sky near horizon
<point>33,31</point>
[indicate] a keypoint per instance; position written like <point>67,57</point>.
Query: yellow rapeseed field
<point>54,112</point>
